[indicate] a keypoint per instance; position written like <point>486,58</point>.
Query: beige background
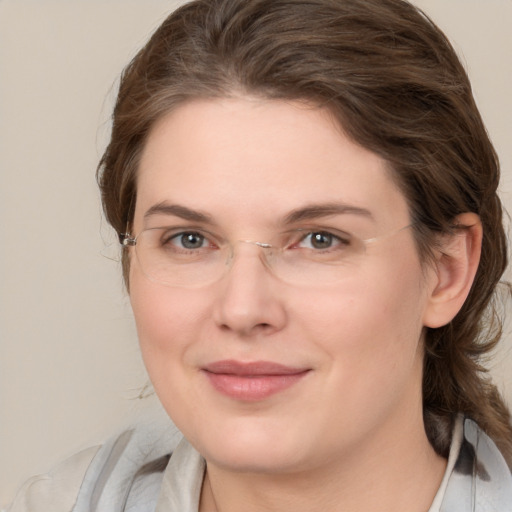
<point>69,363</point>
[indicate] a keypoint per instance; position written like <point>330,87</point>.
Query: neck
<point>390,474</point>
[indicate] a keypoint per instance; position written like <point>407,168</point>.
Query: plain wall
<point>70,369</point>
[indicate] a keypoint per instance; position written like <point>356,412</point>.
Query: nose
<point>249,301</point>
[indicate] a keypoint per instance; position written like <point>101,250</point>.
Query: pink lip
<point>251,381</point>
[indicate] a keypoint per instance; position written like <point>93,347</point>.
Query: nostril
<point>262,327</point>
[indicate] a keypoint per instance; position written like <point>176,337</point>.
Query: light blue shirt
<point>135,472</point>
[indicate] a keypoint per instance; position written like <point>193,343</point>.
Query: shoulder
<point>481,480</point>
<point>56,490</point>
<point>125,469</point>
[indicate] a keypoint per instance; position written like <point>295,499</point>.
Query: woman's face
<point>260,373</point>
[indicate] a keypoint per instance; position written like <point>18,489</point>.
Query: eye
<point>190,240</point>
<point>185,240</point>
<point>321,240</point>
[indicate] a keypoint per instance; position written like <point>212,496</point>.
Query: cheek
<point>372,323</point>
<point>371,336</point>
<point>169,323</point>
<point>167,319</point>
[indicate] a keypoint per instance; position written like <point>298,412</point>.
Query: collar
<point>477,478</point>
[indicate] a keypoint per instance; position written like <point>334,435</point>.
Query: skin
<point>349,435</point>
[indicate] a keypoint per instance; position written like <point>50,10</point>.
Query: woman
<point>306,199</point>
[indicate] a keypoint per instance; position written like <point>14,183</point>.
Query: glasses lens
<point>179,258</point>
<point>175,257</point>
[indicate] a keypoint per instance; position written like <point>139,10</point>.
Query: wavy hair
<point>396,86</point>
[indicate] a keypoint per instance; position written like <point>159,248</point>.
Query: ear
<point>454,271</point>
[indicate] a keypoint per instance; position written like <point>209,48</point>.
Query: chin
<point>244,458</point>
<point>250,446</point>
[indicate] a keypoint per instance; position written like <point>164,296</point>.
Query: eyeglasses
<point>184,257</point>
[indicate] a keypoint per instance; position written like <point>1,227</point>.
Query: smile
<point>252,382</point>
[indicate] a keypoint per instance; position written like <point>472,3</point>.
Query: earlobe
<point>454,271</point>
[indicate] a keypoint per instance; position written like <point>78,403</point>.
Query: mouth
<point>252,381</point>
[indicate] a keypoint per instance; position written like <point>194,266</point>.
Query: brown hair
<point>393,81</point>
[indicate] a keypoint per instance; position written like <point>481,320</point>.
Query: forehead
<point>251,159</point>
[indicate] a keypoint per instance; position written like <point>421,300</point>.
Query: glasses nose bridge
<point>264,255</point>
<point>263,245</point>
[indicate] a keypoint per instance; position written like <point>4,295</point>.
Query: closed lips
<point>252,381</point>
<point>252,369</point>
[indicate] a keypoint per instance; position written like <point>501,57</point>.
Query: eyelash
<point>176,236</point>
<point>337,239</point>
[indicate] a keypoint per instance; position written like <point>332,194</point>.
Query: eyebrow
<point>315,211</point>
<point>309,212</point>
<point>177,210</point>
